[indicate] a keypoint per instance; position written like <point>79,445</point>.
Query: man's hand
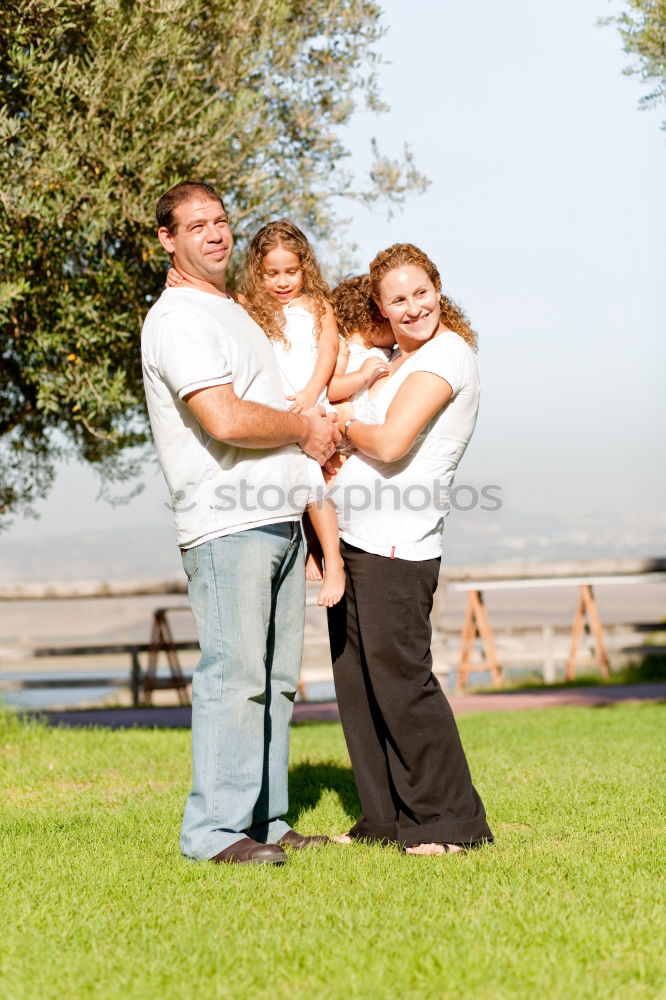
<point>321,435</point>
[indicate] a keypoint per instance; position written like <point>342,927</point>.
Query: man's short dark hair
<point>177,195</point>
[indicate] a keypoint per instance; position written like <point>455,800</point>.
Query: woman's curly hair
<point>401,254</point>
<point>261,305</point>
<point>355,309</point>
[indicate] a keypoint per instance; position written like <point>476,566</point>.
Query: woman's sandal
<point>434,850</point>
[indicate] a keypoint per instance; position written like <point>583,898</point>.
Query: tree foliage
<point>643,31</point>
<point>105,104</point>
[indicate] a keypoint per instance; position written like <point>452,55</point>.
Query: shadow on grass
<point>653,702</point>
<point>307,783</point>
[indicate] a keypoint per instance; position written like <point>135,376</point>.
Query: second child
<point>366,340</point>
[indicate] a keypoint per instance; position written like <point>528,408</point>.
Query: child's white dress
<point>297,358</point>
<point>357,355</point>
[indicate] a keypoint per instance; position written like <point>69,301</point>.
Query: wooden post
<point>161,638</point>
<point>135,678</point>
<point>477,623</point>
<point>548,669</point>
<point>587,607</point>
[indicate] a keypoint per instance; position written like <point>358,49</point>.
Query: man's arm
<point>252,425</point>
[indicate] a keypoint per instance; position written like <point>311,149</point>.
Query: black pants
<point>409,764</point>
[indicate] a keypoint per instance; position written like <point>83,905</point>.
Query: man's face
<point>200,240</point>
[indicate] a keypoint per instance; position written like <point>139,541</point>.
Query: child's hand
<point>373,368</point>
<point>173,279</point>
<point>301,400</point>
<point>345,412</point>
<point>331,468</point>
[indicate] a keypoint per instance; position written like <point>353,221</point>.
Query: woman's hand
<point>374,368</point>
<point>173,279</point>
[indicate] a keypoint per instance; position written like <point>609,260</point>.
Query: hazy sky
<point>546,218</point>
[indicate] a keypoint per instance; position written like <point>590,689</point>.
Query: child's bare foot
<point>343,838</point>
<point>434,849</point>
<point>333,587</point>
<point>313,567</point>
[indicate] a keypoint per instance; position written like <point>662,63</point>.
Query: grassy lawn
<point>95,900</point>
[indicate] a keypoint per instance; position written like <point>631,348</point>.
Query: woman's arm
<point>418,399</point>
<point>327,354</point>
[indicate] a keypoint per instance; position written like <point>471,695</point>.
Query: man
<point>235,463</point>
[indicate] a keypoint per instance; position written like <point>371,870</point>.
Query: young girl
<point>366,340</point>
<point>284,292</point>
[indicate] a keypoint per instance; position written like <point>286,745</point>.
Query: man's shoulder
<point>182,302</point>
<point>188,309</point>
<point>165,305</point>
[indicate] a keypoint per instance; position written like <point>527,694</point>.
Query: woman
<point>391,497</point>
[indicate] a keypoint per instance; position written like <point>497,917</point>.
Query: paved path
<point>180,717</point>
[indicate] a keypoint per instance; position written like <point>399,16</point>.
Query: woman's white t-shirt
<point>398,509</point>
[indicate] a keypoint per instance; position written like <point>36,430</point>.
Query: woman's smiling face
<point>410,302</point>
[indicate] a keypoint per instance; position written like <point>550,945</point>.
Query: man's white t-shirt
<point>193,340</point>
<point>397,509</point>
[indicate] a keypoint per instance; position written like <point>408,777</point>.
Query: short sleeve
<point>447,358</point>
<point>190,356</point>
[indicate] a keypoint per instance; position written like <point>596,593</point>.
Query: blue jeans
<point>247,592</point>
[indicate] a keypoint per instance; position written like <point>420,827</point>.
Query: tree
<point>643,32</point>
<point>105,104</point>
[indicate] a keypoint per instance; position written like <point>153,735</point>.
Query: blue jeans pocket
<point>190,561</point>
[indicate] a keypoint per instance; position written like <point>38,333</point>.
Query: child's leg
<point>325,524</point>
<point>314,560</point>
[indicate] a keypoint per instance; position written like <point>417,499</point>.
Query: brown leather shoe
<point>298,840</point>
<point>250,852</point>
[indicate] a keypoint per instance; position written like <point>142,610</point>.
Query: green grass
<point>569,902</point>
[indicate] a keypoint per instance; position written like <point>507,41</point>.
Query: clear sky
<point>546,216</point>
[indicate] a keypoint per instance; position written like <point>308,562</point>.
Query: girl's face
<point>410,302</point>
<point>382,335</point>
<point>283,275</point>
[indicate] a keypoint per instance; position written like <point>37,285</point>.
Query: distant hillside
<point>149,550</point>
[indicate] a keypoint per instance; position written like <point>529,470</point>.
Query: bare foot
<point>343,838</point>
<point>434,849</point>
<point>333,587</point>
<point>313,567</point>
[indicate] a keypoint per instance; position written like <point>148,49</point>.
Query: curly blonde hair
<point>355,309</point>
<point>261,305</point>
<point>401,254</point>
